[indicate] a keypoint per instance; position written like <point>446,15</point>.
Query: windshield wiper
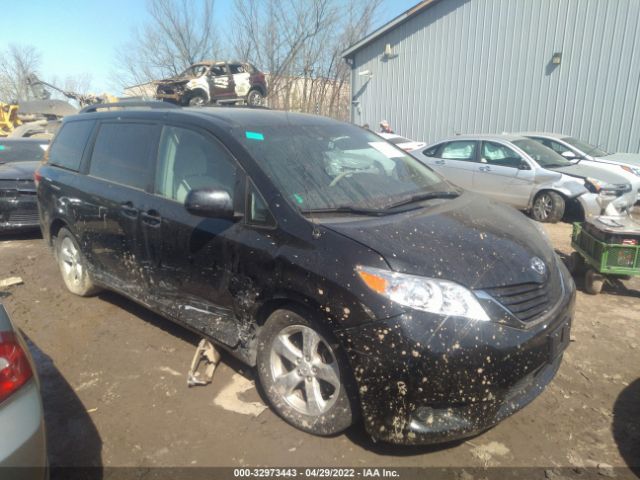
<point>423,196</point>
<point>346,209</point>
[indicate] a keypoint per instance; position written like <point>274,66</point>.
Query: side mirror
<point>524,166</point>
<point>210,203</point>
<point>569,155</point>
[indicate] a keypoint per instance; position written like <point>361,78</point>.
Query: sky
<point>77,37</point>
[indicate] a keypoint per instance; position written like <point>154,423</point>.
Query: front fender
<point>566,186</point>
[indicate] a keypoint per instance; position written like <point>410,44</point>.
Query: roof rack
<point>125,104</point>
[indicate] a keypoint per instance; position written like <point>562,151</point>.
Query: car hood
<point>18,170</point>
<point>174,80</point>
<point>584,170</point>
<point>630,158</point>
<point>470,240</point>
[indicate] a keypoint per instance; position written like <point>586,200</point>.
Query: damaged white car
<point>214,82</point>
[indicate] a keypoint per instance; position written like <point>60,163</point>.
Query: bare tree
<point>179,33</point>
<point>16,63</point>
<point>299,44</point>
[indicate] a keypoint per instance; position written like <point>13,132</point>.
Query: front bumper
<point>19,212</point>
<point>424,378</point>
<point>170,97</point>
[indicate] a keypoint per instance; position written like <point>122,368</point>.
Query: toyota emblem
<point>538,266</point>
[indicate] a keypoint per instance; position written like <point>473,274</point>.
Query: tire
<point>575,263</point>
<point>288,369</point>
<point>593,282</point>
<point>548,207</point>
<point>255,98</point>
<point>197,100</point>
<point>73,266</point>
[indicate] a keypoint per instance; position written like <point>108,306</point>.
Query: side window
<point>499,155</point>
<point>459,150</point>
<point>218,70</point>
<point>431,152</point>
<point>68,146</point>
<point>123,153</point>
<point>257,211</point>
<point>188,160</point>
<point>236,68</point>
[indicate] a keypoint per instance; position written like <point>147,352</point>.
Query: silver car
<point>574,150</point>
<point>523,173</point>
<point>22,434</point>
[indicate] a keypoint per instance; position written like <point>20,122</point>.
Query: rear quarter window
<point>68,146</point>
<point>123,153</point>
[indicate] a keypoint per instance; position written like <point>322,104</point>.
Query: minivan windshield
<point>339,168</point>
<point>545,157</point>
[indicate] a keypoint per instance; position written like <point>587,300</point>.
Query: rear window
<point>123,153</point>
<point>21,151</point>
<point>68,145</point>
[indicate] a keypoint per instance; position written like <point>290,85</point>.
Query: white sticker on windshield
<point>387,150</point>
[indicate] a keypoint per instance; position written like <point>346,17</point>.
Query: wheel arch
<point>192,93</point>
<point>56,225</point>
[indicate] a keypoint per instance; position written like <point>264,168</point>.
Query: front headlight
<point>634,170</point>
<point>427,294</point>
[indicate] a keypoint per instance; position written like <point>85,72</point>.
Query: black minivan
<point>358,281</point>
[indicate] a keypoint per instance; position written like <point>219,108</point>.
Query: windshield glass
<point>586,147</point>
<point>545,157</point>
<point>21,151</point>
<point>319,167</point>
<point>194,71</point>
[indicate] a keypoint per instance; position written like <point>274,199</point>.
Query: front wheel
<point>197,100</point>
<point>72,265</point>
<point>548,207</point>
<point>305,375</point>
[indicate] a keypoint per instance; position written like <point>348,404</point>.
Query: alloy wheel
<point>304,370</point>
<point>71,262</point>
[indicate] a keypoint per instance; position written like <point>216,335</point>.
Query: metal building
<point>471,66</point>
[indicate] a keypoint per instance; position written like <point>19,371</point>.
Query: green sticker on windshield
<point>254,135</point>
<point>2,147</point>
<point>298,198</point>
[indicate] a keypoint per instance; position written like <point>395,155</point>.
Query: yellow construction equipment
<point>8,118</point>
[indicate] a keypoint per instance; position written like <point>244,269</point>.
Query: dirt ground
<point>115,393</point>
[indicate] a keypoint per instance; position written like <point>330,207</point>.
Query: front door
<point>193,259</point>
<point>221,83</point>
<point>502,174</point>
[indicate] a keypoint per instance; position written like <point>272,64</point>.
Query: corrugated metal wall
<point>469,66</point>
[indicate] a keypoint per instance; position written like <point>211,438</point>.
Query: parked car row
<point>360,283</point>
<point>524,173</point>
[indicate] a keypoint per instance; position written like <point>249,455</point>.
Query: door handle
<point>128,210</point>
<point>151,218</point>
<point>486,168</point>
<point>439,162</point>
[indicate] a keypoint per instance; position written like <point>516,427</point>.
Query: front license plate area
<point>559,340</point>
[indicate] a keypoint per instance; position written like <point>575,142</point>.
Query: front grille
<point>526,300</point>
<point>23,216</point>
